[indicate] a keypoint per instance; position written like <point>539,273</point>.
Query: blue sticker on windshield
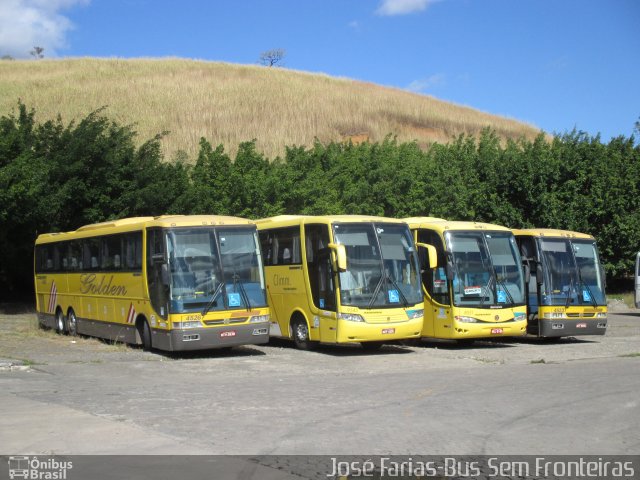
<point>394,296</point>
<point>322,303</point>
<point>234,299</point>
<point>586,296</point>
<point>502,296</point>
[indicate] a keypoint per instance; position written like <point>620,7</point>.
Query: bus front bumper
<point>210,338</point>
<point>569,327</point>
<point>378,332</point>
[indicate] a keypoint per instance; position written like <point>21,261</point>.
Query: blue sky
<point>558,64</point>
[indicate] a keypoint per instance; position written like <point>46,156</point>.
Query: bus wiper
<point>405,302</point>
<point>486,289</point>
<point>243,292</point>
<point>504,287</point>
<point>566,305</point>
<point>386,276</point>
<point>213,299</point>
<point>377,289</point>
<point>592,299</point>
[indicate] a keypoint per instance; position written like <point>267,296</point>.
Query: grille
<point>226,321</point>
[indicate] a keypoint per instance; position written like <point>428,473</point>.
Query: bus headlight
<point>352,317</point>
<point>259,319</point>
<point>601,315</point>
<point>185,325</point>
<point>415,313</point>
<point>463,319</point>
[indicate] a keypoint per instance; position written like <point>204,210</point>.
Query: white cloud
<point>402,7</point>
<point>424,84</point>
<point>28,23</point>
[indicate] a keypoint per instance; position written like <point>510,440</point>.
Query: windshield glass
<point>572,273</point>
<point>487,271</point>
<point>382,265</point>
<point>215,268</point>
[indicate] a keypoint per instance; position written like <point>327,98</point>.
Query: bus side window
<point>111,252</point>
<point>91,253</point>
<point>286,246</point>
<point>133,251</point>
<point>266,245</point>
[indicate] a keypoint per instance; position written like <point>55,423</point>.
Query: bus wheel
<point>145,335</point>
<point>72,323</point>
<point>371,346</point>
<point>300,334</point>
<point>61,327</point>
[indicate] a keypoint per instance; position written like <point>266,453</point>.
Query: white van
<point>636,277</point>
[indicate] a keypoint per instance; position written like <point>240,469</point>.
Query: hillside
<point>228,103</point>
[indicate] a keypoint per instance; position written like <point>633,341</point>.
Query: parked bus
<point>566,285</point>
<point>637,280</point>
<point>171,282</point>
<point>341,279</point>
<point>477,289</point>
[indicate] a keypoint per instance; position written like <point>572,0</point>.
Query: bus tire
<point>72,323</point>
<point>300,333</point>
<point>145,335</point>
<point>61,323</point>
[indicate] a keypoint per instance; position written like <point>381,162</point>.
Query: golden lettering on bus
<point>91,285</point>
<point>280,281</point>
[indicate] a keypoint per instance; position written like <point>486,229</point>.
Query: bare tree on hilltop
<point>37,52</point>
<point>272,57</point>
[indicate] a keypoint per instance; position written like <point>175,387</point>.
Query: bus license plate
<point>230,333</point>
<point>496,330</point>
<point>388,330</point>
<point>581,325</point>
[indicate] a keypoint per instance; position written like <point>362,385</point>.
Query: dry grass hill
<point>228,103</point>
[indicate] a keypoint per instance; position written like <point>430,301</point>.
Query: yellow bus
<point>341,279</point>
<point>566,285</point>
<point>170,282</point>
<point>477,289</point>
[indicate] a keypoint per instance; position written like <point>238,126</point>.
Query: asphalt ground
<point>82,396</point>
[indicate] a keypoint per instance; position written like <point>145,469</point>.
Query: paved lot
<point>84,396</point>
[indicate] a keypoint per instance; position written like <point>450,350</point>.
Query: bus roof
<point>298,219</point>
<point>551,233</point>
<point>138,223</point>
<point>441,225</point>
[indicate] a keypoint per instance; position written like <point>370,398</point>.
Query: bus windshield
<point>214,269</point>
<point>572,273</point>
<point>487,271</point>
<point>382,265</point>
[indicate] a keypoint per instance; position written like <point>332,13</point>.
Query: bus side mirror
<point>431,254</point>
<point>526,269</point>
<point>341,256</point>
<point>539,273</point>
<point>450,269</point>
<point>164,275</point>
